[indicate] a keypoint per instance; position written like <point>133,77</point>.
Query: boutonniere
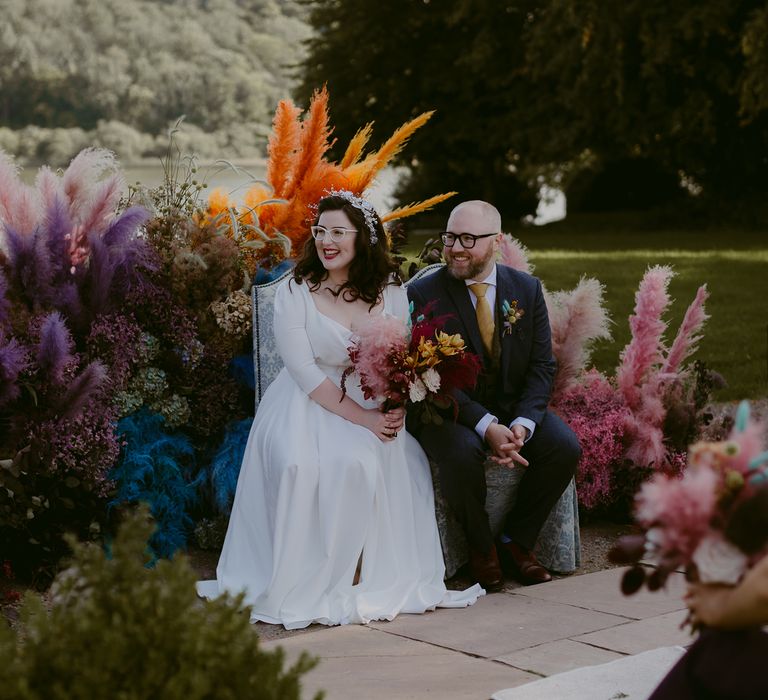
<point>511,315</point>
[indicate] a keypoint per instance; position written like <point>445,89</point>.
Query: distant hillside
<point>120,71</point>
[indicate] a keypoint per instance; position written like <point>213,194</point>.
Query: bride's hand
<point>384,425</point>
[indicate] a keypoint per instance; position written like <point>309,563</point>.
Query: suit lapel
<point>459,294</point>
<point>505,290</point>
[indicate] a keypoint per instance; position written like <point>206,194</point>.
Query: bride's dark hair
<point>372,267</point>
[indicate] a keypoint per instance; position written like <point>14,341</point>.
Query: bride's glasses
<point>319,233</point>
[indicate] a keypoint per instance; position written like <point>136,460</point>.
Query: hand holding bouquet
<point>422,366</point>
<point>713,522</point>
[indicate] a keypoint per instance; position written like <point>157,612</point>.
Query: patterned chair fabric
<point>559,544</point>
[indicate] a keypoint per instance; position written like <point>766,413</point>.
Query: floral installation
<point>273,222</point>
<point>712,521</point>
<point>511,315</point>
<point>420,367</point>
<point>654,403</point>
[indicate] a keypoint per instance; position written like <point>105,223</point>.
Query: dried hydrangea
<point>127,402</point>
<point>233,315</point>
<point>149,382</point>
<point>174,408</point>
<point>192,353</point>
<point>149,347</point>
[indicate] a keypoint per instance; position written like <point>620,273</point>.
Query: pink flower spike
<point>514,254</point>
<point>688,335</point>
<point>644,350</point>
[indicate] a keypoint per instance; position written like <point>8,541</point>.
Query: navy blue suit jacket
<point>527,366</point>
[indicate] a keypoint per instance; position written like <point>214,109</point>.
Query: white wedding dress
<point>316,491</point>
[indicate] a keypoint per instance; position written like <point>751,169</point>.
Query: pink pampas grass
<point>20,205</point>
<point>688,335</point>
<point>514,254</point>
<point>90,196</point>
<point>644,350</point>
<point>576,317</point>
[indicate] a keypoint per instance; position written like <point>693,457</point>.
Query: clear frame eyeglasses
<point>320,233</point>
<point>467,240</point>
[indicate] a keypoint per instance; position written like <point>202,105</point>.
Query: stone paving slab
<point>557,657</point>
<point>499,624</point>
<point>361,662</point>
<point>601,591</point>
<point>630,677</point>
<point>642,635</point>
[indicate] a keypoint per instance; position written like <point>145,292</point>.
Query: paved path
<point>506,639</point>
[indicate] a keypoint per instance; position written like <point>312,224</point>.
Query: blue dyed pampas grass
<point>158,468</point>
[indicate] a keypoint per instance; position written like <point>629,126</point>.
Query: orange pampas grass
<point>356,145</point>
<point>416,207</point>
<point>283,146</point>
<point>314,141</point>
<point>299,173</point>
<point>394,144</point>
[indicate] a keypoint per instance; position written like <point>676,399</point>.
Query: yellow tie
<point>484,315</point>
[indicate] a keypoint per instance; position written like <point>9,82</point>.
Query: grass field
<point>733,264</point>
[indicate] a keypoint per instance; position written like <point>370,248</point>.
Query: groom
<point>501,314</point>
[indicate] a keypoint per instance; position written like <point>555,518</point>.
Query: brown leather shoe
<point>486,570</point>
<point>522,565</point>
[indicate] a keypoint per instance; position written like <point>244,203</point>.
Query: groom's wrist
<point>483,424</point>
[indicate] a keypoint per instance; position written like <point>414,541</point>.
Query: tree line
<point>627,104</point>
<point>137,65</point>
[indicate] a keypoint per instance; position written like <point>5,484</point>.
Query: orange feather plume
<point>361,174</point>
<point>394,144</point>
<point>416,207</point>
<point>356,145</point>
<point>283,146</point>
<point>315,132</point>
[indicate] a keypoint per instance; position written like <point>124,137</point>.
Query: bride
<point>333,519</point>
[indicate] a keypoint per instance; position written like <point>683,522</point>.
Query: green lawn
<point>733,264</point>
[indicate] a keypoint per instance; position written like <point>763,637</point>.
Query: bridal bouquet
<point>421,366</point>
<point>713,521</point>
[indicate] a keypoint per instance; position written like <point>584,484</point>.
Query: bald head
<point>484,217</point>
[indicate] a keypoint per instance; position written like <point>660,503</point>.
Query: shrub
<point>119,629</point>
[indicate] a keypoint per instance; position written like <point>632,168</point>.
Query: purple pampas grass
<point>55,349</point>
<point>30,266</point>
<point>5,305</point>
<point>82,389</point>
<point>121,229</point>
<point>13,361</point>
<point>58,229</point>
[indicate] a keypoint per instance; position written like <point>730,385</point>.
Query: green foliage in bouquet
<point>118,629</point>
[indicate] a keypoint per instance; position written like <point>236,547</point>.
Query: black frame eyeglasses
<point>467,240</point>
<point>335,234</point>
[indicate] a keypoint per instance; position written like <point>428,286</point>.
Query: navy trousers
<point>460,455</point>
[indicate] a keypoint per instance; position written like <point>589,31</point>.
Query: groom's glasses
<point>467,240</point>
<point>320,233</point>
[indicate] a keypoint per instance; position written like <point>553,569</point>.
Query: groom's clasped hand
<point>505,444</point>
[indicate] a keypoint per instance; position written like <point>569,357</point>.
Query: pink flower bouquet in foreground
<point>712,521</point>
<point>422,366</point>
